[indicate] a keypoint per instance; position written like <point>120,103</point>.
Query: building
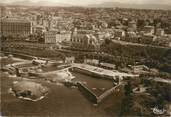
<point>54,36</point>
<point>0,27</point>
<point>108,66</point>
<point>15,27</point>
<point>119,33</point>
<point>50,37</point>
<point>132,25</point>
<point>2,11</point>
<point>63,36</point>
<point>91,61</point>
<point>159,32</point>
<point>70,59</point>
<point>148,39</point>
<point>140,69</point>
<point>85,41</point>
<point>38,29</point>
<point>101,35</point>
<point>148,30</point>
<point>169,44</point>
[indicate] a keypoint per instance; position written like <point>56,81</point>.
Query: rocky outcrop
<point>29,90</point>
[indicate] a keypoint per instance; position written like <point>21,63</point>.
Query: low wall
<point>91,96</point>
<point>106,94</point>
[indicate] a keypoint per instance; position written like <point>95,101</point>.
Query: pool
<point>98,86</point>
<point>60,101</point>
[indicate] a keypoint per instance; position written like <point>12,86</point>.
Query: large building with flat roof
<point>2,11</point>
<point>15,27</point>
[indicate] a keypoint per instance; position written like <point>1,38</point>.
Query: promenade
<point>101,71</point>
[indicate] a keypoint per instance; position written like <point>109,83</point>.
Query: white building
<point>169,44</point>
<point>91,61</point>
<point>85,41</point>
<point>50,37</point>
<point>70,59</point>
<point>160,32</point>
<point>119,33</point>
<point>148,30</point>
<point>63,36</point>
<point>54,36</point>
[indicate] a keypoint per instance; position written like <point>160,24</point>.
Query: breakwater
<point>87,93</point>
<point>106,94</point>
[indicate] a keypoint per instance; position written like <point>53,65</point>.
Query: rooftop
<point>15,19</point>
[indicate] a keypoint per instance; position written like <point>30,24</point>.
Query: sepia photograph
<point>85,58</point>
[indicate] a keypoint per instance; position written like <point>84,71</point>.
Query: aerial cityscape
<point>87,58</point>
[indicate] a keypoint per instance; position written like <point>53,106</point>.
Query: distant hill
<point>39,3</point>
<point>101,5</point>
<point>136,6</point>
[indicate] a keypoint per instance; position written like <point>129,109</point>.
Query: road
<point>137,44</point>
<point>161,80</point>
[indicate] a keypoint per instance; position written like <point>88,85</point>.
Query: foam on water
<point>29,99</point>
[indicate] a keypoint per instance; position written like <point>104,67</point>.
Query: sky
<point>86,2</point>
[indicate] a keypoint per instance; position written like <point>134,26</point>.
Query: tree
<point>128,89</point>
<point>141,23</point>
<point>127,100</point>
<point>107,41</point>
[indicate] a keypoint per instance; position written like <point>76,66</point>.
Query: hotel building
<point>15,27</point>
